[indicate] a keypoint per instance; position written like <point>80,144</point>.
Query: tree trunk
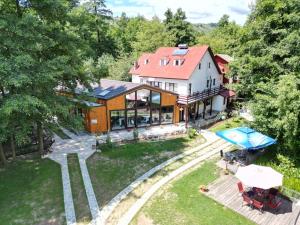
<point>40,138</point>
<point>13,146</point>
<point>18,9</point>
<point>2,155</point>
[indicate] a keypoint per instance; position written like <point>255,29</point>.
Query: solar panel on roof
<point>180,51</point>
<point>103,93</point>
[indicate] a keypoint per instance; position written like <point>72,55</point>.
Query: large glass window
<point>167,114</point>
<point>130,100</point>
<point>155,98</point>
<point>171,87</point>
<point>143,117</point>
<point>130,118</point>
<point>143,98</point>
<point>155,116</point>
<point>117,119</point>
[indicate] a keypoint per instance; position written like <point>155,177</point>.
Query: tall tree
<point>267,64</point>
<point>178,27</point>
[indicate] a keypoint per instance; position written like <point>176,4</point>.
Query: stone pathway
<point>82,146</point>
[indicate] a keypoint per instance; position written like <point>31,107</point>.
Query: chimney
<point>183,46</point>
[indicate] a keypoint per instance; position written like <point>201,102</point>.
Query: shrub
<point>135,134</point>
<point>108,143</point>
<point>192,132</point>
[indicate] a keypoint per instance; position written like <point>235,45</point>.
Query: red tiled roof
<point>227,93</point>
<point>183,72</point>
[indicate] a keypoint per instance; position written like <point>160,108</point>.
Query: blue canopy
<point>246,138</point>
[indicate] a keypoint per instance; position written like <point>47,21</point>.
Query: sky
<point>197,11</point>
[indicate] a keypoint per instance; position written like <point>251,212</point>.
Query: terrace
<point>199,96</point>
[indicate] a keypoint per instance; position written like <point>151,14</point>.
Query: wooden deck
<point>224,190</point>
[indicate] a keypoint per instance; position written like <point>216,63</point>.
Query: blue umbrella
<point>246,138</point>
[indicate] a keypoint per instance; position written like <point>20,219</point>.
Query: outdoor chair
<point>247,200</point>
<point>257,204</point>
<point>240,187</point>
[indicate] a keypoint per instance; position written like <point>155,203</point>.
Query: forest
<point>54,43</point>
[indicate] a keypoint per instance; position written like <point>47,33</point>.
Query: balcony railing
<point>198,96</point>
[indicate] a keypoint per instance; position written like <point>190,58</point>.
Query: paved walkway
<point>82,146</point>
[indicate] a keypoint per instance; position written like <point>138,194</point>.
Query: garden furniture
<point>240,187</point>
<point>257,204</point>
<point>247,200</point>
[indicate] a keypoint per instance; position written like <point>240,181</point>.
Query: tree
<point>179,28</point>
<point>151,37</point>
<point>267,63</point>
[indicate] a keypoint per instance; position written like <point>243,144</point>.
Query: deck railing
<point>198,96</point>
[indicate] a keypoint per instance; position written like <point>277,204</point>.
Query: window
<point>117,119</point>
<point>163,62</point>
<point>130,118</point>
<point>130,100</point>
<point>199,66</point>
<point>143,117</point>
<point>224,101</point>
<point>214,81</point>
<point>155,116</point>
<point>167,114</point>
<point>143,98</point>
<point>155,99</point>
<point>177,62</point>
<point>146,61</point>
<point>190,89</point>
<point>207,83</point>
<point>157,84</point>
<point>171,87</point>
<point>209,65</point>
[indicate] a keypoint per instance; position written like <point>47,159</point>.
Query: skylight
<point>180,51</point>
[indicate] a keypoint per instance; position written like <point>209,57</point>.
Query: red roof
<point>169,71</point>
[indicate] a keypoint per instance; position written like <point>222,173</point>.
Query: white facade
<point>207,72</point>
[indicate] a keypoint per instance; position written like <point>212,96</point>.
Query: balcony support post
<point>204,108</point>
<point>186,110</point>
<point>211,102</point>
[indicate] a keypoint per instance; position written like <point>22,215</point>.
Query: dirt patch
<point>144,220</point>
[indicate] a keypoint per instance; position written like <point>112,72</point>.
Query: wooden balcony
<point>199,96</point>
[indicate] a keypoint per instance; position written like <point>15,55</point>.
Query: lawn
<point>82,210</point>
<point>114,169</point>
<point>31,193</point>
<point>229,123</point>
<point>181,203</point>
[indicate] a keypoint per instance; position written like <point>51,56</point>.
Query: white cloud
<point>203,11</point>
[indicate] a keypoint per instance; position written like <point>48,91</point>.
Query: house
<point>125,105</point>
<point>223,61</point>
<point>190,72</point>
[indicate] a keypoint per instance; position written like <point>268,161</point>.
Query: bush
<point>192,132</point>
<point>108,143</point>
<point>135,134</point>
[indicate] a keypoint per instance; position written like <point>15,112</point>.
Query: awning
<point>227,93</point>
<point>246,138</point>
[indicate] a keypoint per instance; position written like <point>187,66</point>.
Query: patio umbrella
<point>259,176</point>
<point>246,138</point>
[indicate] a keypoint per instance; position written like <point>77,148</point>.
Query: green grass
<point>227,124</point>
<point>112,170</point>
<point>181,203</point>
<point>82,210</point>
<point>31,193</point>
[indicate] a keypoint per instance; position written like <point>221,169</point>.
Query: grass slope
<point>181,203</point>
<point>31,193</point>
<point>82,210</point>
<point>227,124</point>
<point>112,170</point>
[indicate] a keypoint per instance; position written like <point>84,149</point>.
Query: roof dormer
<point>163,61</point>
<point>146,61</point>
<point>178,62</point>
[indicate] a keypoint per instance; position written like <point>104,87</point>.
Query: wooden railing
<point>198,96</point>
